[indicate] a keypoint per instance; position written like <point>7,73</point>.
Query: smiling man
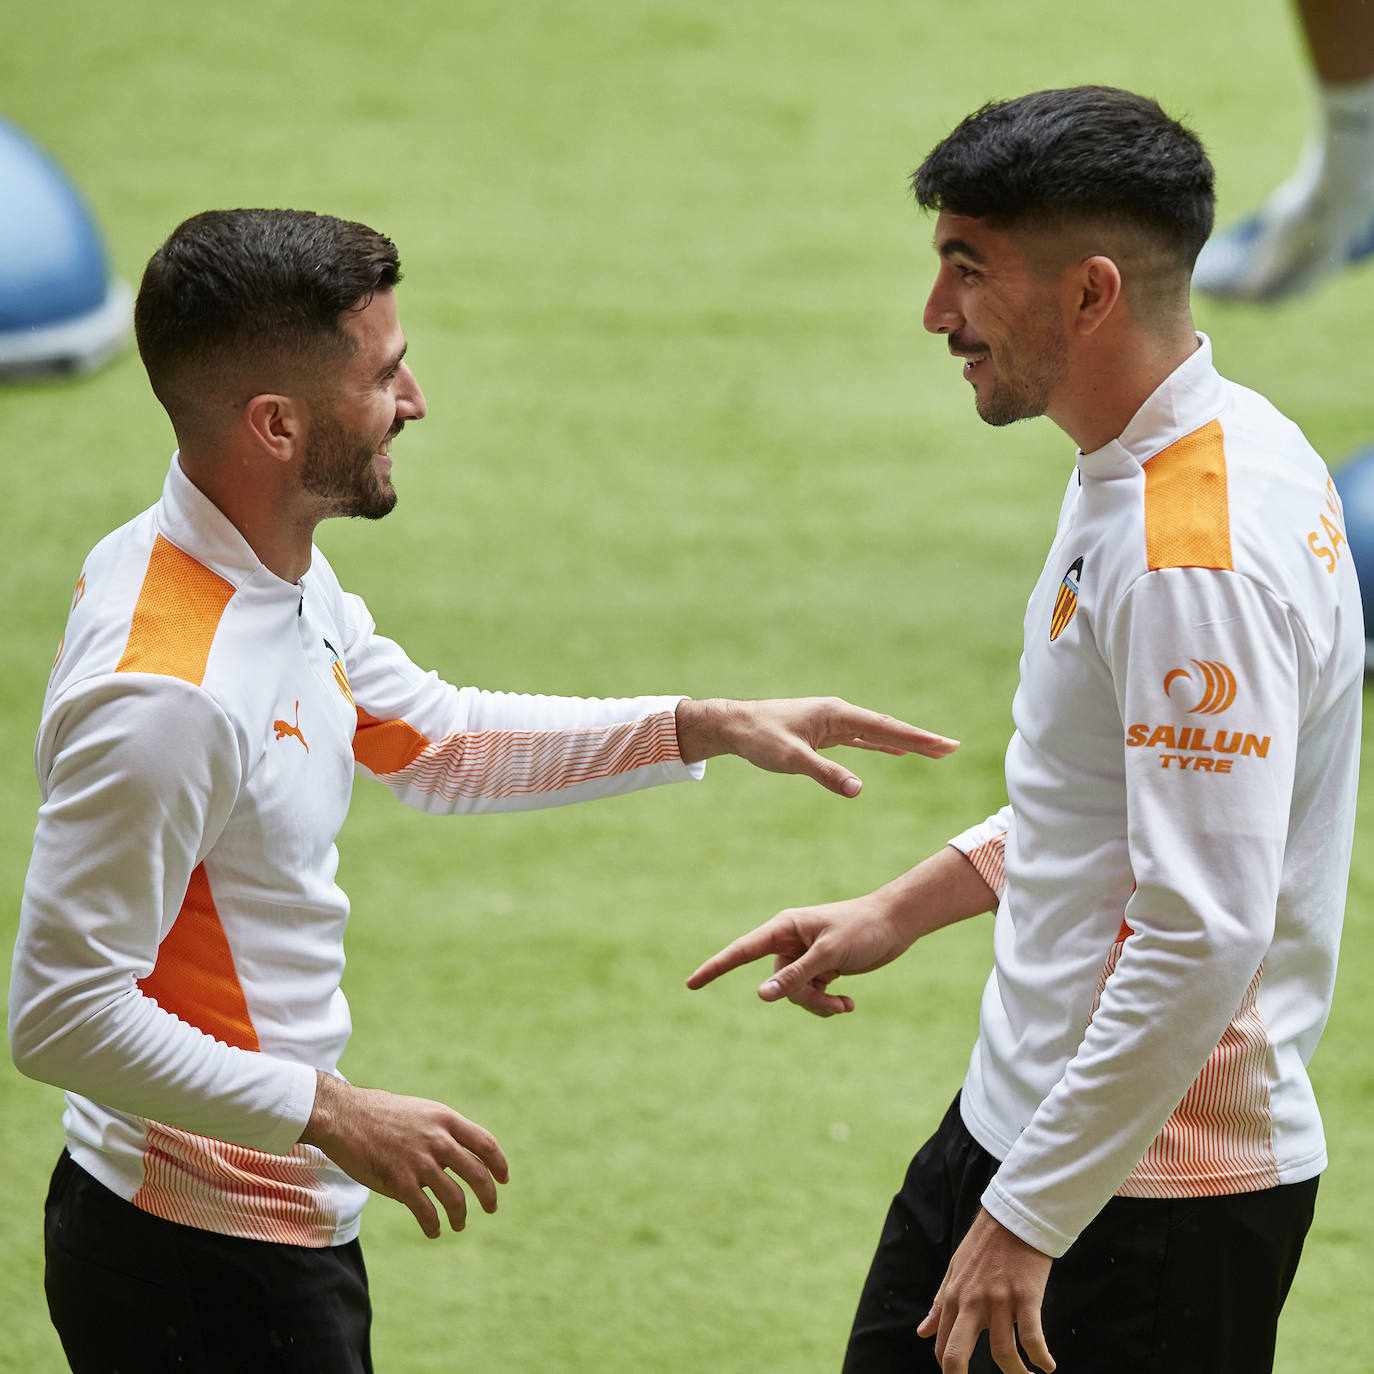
<point>181,934</point>
<point>1127,1176</point>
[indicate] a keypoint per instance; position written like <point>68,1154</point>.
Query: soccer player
<point>1322,217</point>
<point>181,934</point>
<point>1130,1169</point>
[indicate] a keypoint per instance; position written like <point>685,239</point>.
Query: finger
<point>1032,1335</point>
<point>931,1324</point>
<point>423,1209</point>
<point>474,1173</point>
<point>949,1318</point>
<point>954,1348</point>
<point>821,1003</point>
<point>485,1146</point>
<point>834,777</point>
<point>807,969</point>
<point>742,951</point>
<point>880,731</point>
<point>450,1196</point>
<point>857,743</point>
<point>815,996</point>
<point>1002,1344</point>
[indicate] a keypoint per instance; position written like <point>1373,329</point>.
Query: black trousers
<point>1153,1286</point>
<point>130,1293</point>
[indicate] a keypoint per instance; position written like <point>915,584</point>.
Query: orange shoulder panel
<point>178,612</point>
<point>386,746</point>
<point>194,977</point>
<point>1187,519</point>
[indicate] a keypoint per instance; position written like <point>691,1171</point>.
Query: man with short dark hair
<point>181,935</point>
<point>1129,1171</point>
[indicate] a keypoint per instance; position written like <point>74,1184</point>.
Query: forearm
<point>519,753</point>
<point>139,779</point>
<point>1164,1009</point>
<point>128,1054</point>
<point>937,892</point>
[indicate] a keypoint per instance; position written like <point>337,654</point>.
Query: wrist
<point>324,1114</point>
<point>897,908</point>
<point>704,728</point>
<point>939,891</point>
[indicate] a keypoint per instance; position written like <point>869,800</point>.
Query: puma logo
<point>283,729</point>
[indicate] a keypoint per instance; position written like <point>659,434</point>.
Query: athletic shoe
<point>1286,247</point>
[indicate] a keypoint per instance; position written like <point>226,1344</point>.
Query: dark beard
<point>340,471</point>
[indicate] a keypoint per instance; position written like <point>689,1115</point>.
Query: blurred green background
<point>663,292</point>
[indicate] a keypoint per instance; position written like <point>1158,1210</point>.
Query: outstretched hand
<point>407,1148</point>
<point>784,736</point>
<point>812,946</point>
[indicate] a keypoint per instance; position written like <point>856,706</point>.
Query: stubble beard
<point>1026,392</point>
<point>340,471</point>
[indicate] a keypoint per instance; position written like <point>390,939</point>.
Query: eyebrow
<point>395,362</point>
<point>960,248</point>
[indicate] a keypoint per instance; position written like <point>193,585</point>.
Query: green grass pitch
<point>663,291</point>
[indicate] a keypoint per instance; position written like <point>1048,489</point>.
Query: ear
<point>277,424</point>
<point>1096,292</point>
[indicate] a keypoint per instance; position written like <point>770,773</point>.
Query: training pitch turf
<point>663,292</point>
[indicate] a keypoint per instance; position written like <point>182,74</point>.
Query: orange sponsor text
<point>1197,748</point>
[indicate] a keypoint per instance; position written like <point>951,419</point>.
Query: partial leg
<point>130,1291</point>
<point>1322,217</point>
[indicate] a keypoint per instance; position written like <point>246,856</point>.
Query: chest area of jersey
<point>1066,702</point>
<point>301,778</point>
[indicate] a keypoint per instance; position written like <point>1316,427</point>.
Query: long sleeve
<point>985,846</point>
<point>456,750</point>
<point>1210,749</point>
<point>139,775</point>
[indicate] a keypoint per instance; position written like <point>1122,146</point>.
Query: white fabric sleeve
<point>984,845</point>
<point>1206,849</point>
<point>139,774</point>
<point>452,750</point>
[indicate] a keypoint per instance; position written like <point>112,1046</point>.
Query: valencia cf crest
<point>1066,603</point>
<point>340,677</point>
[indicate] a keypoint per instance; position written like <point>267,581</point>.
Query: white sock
<point>1346,134</point>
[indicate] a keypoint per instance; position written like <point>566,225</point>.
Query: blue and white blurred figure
<point>60,310</point>
<point>1355,483</point>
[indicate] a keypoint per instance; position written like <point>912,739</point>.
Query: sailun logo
<point>1211,688</point>
<point>1218,686</point>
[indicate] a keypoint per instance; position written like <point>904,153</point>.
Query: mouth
<point>384,448</point>
<point>972,361</point>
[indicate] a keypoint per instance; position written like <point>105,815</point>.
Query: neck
<point>280,538</point>
<point>1105,391</point>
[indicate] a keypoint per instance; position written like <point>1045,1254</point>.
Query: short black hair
<point>258,294</point>
<point>1086,152</point>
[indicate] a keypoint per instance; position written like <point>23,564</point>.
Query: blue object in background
<point>1355,482</point>
<point>59,309</point>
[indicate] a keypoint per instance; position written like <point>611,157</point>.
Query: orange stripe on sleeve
<point>178,611</point>
<point>194,977</point>
<point>1187,518</point>
<point>386,746</point>
<point>990,861</point>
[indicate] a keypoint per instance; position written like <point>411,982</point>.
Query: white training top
<point>181,935</point>
<point>1172,865</point>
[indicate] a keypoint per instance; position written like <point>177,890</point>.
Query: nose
<point>942,315</point>
<point>410,400</point>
